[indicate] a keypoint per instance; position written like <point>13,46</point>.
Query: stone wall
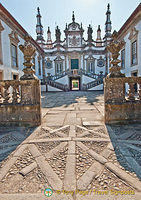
<point>20,103</point>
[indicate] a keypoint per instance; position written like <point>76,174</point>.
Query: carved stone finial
<point>38,9</point>
<point>73,17</point>
<point>48,31</point>
<point>114,47</point>
<point>98,28</point>
<point>28,50</point>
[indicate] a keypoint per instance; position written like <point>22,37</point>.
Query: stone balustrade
<point>116,89</point>
<point>121,106</point>
<point>20,100</point>
<point>122,102</point>
<point>20,103</point>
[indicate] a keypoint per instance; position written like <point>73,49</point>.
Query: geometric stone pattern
<point>70,156</point>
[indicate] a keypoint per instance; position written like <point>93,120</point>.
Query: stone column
<point>43,67</point>
<point>65,63</point>
<point>114,85</point>
<point>139,91</point>
<point>131,94</point>
<point>30,86</point>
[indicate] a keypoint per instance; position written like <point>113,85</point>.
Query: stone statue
<point>90,31</point>
<point>58,34</point>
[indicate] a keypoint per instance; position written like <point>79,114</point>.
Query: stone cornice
<point>14,25</point>
<point>96,52</point>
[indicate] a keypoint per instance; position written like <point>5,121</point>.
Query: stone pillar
<point>114,85</point>
<point>114,90</point>
<point>65,63</point>
<point>30,86</point>
<point>43,67</point>
<point>83,62</point>
<point>139,91</point>
<point>131,94</point>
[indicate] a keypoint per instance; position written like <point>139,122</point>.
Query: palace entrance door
<point>75,83</point>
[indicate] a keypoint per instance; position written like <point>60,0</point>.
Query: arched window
<point>58,65</point>
<point>90,65</point>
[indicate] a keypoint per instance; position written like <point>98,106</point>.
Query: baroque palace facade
<point>74,63</point>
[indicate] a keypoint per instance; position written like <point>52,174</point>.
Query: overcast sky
<point>60,12</point>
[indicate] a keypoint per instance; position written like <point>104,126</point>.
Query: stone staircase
<point>90,74</point>
<point>58,76</point>
<point>57,85</point>
<point>92,84</point>
<point>51,80</point>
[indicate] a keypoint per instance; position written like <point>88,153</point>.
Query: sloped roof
<point>18,26</point>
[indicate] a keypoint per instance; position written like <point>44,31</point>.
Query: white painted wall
<point>128,68</point>
<point>6,54</point>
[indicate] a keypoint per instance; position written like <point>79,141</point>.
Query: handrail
<point>57,85</point>
<point>92,84</point>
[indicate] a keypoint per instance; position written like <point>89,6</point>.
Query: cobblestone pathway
<point>73,153</point>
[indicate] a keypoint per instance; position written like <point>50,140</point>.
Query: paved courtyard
<point>72,152</point>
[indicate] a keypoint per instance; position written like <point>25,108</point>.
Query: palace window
<point>15,77</point>
<point>39,67</point>
<point>74,64</point>
<point>58,67</point>
<point>14,55</point>
<point>123,58</point>
<point>134,52</point>
<point>14,40</point>
<point>90,67</point>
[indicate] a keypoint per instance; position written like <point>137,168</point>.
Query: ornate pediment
<point>58,58</point>
<point>90,58</point>
<point>133,33</point>
<point>74,41</point>
<point>14,37</point>
<point>74,27</point>
<point>1,27</point>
